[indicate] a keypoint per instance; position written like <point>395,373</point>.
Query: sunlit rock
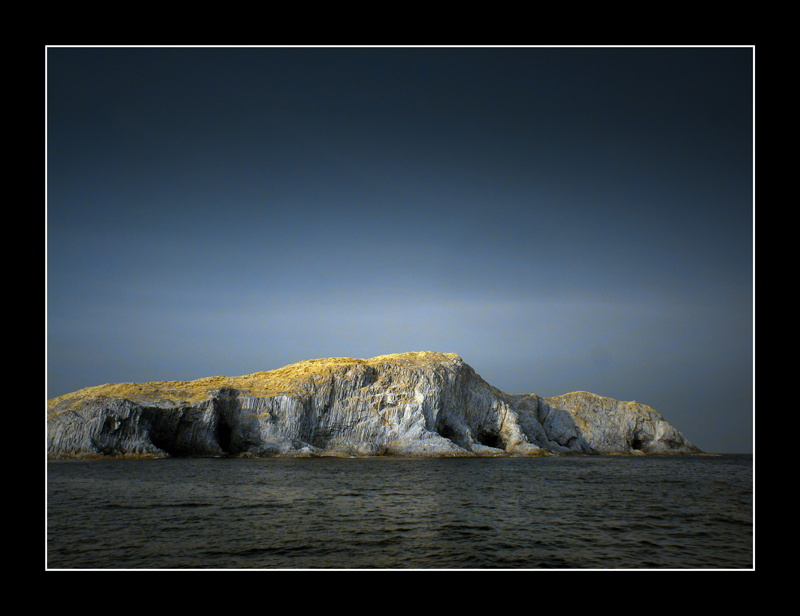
<point>412,404</point>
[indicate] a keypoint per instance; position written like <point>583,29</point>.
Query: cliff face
<point>405,404</point>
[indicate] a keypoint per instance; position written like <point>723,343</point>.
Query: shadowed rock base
<point>409,404</point>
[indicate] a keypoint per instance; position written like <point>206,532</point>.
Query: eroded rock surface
<point>405,404</point>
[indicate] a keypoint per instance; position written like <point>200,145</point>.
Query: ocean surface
<point>565,512</point>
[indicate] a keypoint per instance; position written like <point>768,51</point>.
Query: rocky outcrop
<point>405,404</point>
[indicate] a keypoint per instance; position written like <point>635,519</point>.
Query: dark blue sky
<point>563,219</point>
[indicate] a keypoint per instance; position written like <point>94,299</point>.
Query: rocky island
<point>408,404</point>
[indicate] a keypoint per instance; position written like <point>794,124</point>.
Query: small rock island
<point>407,404</point>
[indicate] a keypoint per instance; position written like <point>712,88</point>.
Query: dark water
<point>577,512</point>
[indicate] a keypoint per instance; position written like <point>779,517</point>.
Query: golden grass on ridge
<point>286,380</point>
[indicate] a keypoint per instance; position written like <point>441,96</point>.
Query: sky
<point>564,219</point>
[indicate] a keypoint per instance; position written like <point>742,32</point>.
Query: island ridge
<point>407,404</point>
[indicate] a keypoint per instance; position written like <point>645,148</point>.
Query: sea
<point>555,512</point>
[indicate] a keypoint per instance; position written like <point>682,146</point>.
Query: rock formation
<point>405,404</point>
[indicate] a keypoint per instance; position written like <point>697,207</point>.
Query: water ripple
<point>563,513</point>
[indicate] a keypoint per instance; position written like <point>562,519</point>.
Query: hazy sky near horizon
<point>562,218</point>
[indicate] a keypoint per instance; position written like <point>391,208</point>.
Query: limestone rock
<point>405,404</point>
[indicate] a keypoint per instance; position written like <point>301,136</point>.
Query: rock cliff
<point>405,404</point>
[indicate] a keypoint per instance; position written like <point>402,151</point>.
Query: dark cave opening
<point>636,444</point>
<point>490,440</point>
<point>168,447</point>
<point>446,431</point>
<point>224,437</point>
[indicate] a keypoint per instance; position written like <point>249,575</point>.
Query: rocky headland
<point>408,404</point>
